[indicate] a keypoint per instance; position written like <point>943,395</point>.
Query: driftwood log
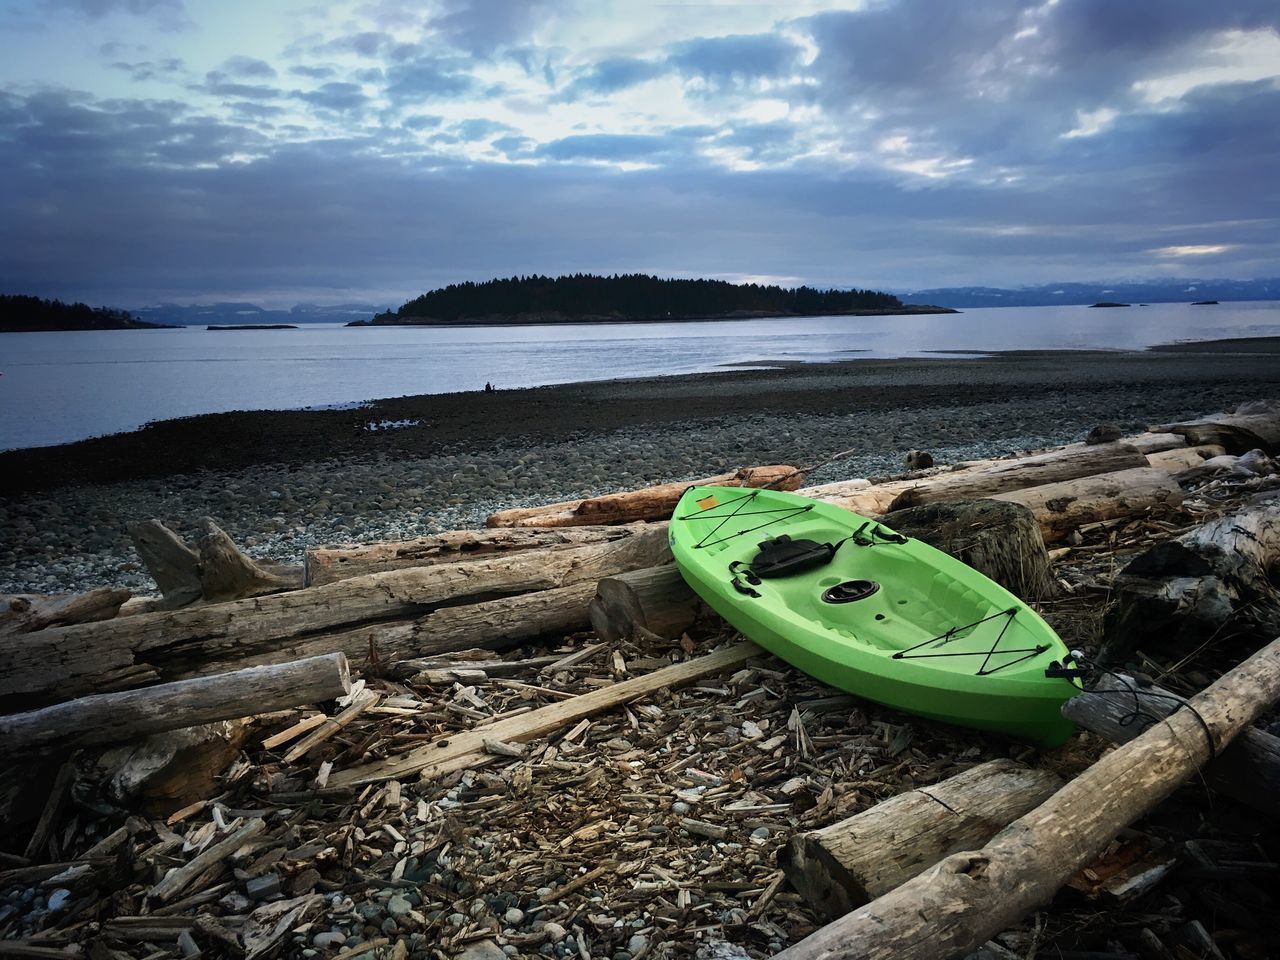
<point>1063,507</point>
<point>844,865</point>
<point>329,564</point>
<point>55,664</point>
<point>1002,476</point>
<point>1001,540</point>
<point>1119,709</point>
<point>25,612</point>
<point>489,625</point>
<point>1150,443</point>
<point>214,570</point>
<point>1237,432</point>
<point>117,717</point>
<point>654,602</point>
<point>649,503</point>
<point>1183,458</point>
<point>173,565</point>
<point>958,903</point>
<point>227,574</point>
<point>1216,582</point>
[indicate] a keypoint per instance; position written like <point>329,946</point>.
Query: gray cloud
<point>336,96</point>
<point>427,78</point>
<point>736,61</point>
<point>314,72</point>
<point>480,129</point>
<point>613,74</point>
<point>481,29</point>
<point>149,69</point>
<point>220,85</point>
<point>240,66</point>
<point>606,146</point>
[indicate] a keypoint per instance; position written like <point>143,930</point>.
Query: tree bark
<point>1003,476</point>
<point>1247,771</point>
<point>330,564</point>
<point>1062,507</point>
<point>650,503</point>
<point>173,565</point>
<point>998,539</point>
<point>26,612</point>
<point>117,717</point>
<point>1155,442</point>
<point>1213,582</point>
<point>844,865</point>
<point>958,903</point>
<point>653,602</point>
<point>56,664</point>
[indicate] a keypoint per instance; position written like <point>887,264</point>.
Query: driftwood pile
<point>533,739</point>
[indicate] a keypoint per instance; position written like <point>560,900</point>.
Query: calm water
<point>58,387</point>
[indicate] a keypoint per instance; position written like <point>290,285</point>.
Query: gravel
<point>74,537</point>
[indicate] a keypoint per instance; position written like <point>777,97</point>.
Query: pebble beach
<point>394,469</point>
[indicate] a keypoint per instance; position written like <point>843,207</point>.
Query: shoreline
<point>278,482</point>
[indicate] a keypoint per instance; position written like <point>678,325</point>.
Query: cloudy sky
<point>279,151</point>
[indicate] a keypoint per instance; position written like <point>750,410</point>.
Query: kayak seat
<point>782,557</point>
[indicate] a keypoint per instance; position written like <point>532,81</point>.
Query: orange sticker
<point>707,502</point>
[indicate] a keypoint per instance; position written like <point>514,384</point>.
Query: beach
<point>279,481</point>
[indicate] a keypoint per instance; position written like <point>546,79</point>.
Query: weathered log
<point>654,602</point>
<point>117,717</point>
<point>844,865</point>
<point>1119,709</point>
<point>1213,582</point>
<point>491,625</point>
<point>328,564</point>
<point>1062,507</point>
<point>1182,458</point>
<point>227,574</point>
<point>1003,476</point>
<point>999,539</point>
<point>466,749</point>
<point>56,664</point>
<point>961,901</point>
<point>1237,432</point>
<point>173,565</point>
<point>1155,442</point>
<point>650,503</point>
<point>25,612</point>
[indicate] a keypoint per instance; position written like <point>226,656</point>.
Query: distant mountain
<point>1129,291</point>
<point>585,298</point>
<point>235,313</point>
<point>21,314</point>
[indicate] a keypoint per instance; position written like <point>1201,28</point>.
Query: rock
<point>919,460</point>
<point>481,950</point>
<point>555,933</point>
<point>398,906</point>
<point>1103,433</point>
<point>637,943</point>
<point>259,888</point>
<point>513,917</point>
<point>58,898</point>
<point>329,938</point>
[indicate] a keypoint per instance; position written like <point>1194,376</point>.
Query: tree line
<point>27,314</point>
<point>631,297</point>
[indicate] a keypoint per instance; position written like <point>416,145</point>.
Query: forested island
<point>21,314</point>
<point>585,298</point>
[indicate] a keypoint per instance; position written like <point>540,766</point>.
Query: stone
<point>328,938</point>
<point>1103,433</point>
<point>482,950</point>
<point>637,943</point>
<point>555,933</point>
<point>513,917</point>
<point>919,460</point>
<point>267,885</point>
<point>398,906</point>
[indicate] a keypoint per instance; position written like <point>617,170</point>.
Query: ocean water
<point>59,387</point>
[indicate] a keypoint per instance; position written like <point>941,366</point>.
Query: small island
<point>1204,303</point>
<point>633,298</point>
<point>252,326</point>
<point>22,314</point>
<point>1110,303</point>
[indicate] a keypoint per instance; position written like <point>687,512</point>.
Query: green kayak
<point>850,602</point>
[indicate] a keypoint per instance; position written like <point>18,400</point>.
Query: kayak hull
<point>924,633</point>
